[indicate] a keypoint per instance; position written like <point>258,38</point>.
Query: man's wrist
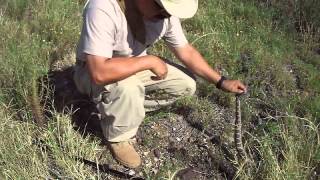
<point>147,62</point>
<point>221,80</point>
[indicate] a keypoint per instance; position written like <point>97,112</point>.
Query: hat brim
<point>180,10</point>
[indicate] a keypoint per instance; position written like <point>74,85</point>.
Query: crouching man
<point>114,69</point>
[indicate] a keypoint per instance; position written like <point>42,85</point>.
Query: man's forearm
<point>196,63</point>
<point>190,57</point>
<point>105,71</point>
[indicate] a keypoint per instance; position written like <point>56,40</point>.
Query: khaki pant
<point>123,104</point>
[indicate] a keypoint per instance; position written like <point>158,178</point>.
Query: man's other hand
<point>233,86</point>
<point>159,68</point>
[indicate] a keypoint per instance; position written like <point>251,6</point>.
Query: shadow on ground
<point>67,97</point>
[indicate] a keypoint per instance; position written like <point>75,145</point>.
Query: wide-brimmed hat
<point>179,8</point>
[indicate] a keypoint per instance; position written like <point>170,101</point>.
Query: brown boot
<point>125,153</point>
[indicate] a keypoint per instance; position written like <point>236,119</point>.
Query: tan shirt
<point>105,32</point>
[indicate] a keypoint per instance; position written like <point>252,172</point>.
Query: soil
<point>174,140</point>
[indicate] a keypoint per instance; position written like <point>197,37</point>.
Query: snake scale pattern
<point>238,131</point>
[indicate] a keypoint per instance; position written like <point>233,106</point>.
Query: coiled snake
<point>237,129</point>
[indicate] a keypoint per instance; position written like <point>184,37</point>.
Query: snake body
<point>238,131</point>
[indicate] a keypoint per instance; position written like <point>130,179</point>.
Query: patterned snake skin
<point>237,130</point>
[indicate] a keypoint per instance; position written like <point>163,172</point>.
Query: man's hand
<point>233,86</point>
<point>159,68</point>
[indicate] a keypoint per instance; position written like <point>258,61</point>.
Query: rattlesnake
<point>237,129</point>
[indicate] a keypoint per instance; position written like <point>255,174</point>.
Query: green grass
<point>29,153</point>
<point>270,45</point>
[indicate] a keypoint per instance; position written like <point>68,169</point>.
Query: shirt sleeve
<point>174,36</point>
<point>98,33</point>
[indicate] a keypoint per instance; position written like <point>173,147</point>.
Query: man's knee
<point>182,86</point>
<point>190,86</point>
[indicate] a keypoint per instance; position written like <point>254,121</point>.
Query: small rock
<point>157,153</point>
<point>146,153</point>
<point>180,118</point>
<point>178,139</point>
<point>154,170</point>
<point>131,172</point>
<point>188,174</point>
<point>148,163</point>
